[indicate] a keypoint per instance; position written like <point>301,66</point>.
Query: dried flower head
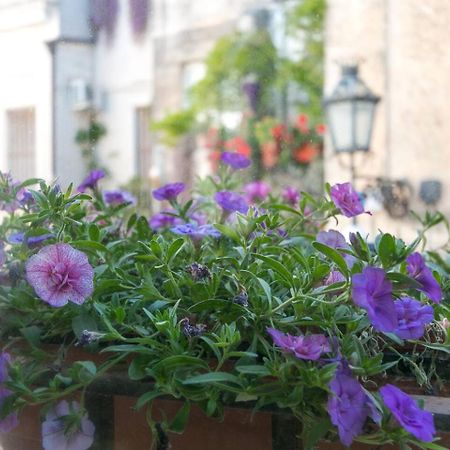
<point>199,272</point>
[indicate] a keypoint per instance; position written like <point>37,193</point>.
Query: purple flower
<point>336,240</point>
<point>349,406</point>
<point>91,180</point>
<point>5,362</point>
<point>169,191</point>
<point>59,274</point>
<point>196,232</point>
<point>199,217</point>
<point>308,347</point>
<point>163,220</point>
<point>231,201</point>
<point>118,197</point>
<point>346,199</point>
<point>373,291</point>
<point>20,238</point>
<point>257,191</point>
<point>11,421</point>
<point>412,318</point>
<point>290,195</point>
<point>235,160</point>
<point>67,428</point>
<point>418,422</point>
<point>334,277</point>
<point>417,269</point>
<point>25,198</point>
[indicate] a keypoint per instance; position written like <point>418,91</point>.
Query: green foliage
<point>175,125</point>
<point>88,140</point>
<point>193,337</point>
<point>306,24</point>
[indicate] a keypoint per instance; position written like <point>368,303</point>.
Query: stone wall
<point>403,51</point>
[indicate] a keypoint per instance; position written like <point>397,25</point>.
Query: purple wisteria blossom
<point>308,347</point>
<point>235,160</point>
<point>5,363</point>
<point>412,318</point>
<point>257,191</point>
<point>349,406</point>
<point>11,421</point>
<point>163,220</point>
<point>118,197</point>
<point>373,291</point>
<point>66,427</point>
<point>60,274</point>
<point>91,181</point>
<point>290,195</point>
<point>415,265</point>
<point>231,201</point>
<point>196,232</point>
<point>416,421</point>
<point>336,240</point>
<point>30,241</point>
<point>169,191</point>
<point>346,199</point>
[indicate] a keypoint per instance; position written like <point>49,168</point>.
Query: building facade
<point>404,57</point>
<point>71,63</point>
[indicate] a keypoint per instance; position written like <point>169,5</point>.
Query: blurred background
<point>314,91</point>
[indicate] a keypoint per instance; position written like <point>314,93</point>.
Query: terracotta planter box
<point>110,401</point>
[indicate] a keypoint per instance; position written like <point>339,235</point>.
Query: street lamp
<point>350,111</point>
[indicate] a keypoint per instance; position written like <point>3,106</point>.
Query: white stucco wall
<point>25,73</point>
<point>123,82</point>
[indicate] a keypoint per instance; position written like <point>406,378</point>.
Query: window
<point>21,145</point>
<point>143,142</point>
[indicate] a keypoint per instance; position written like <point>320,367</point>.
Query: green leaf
<point>386,250</point>
<point>334,255</point>
<point>94,232</point>
<point>253,369</point>
<point>32,334</point>
<point>213,377</point>
<point>90,245</point>
<point>228,231</point>
<point>83,322</point>
<point>403,281</point>
<point>266,288</point>
<point>441,347</point>
<point>173,363</point>
<point>89,366</point>
<point>276,266</point>
<point>147,397</point>
<point>174,249</point>
<point>312,435</point>
<point>180,420</point>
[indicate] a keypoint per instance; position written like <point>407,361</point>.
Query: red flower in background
<point>239,145</point>
<point>303,123</point>
<point>305,154</point>
<point>279,132</point>
<point>320,129</point>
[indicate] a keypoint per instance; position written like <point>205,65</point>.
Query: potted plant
<point>221,300</point>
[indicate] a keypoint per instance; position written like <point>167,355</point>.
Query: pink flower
<point>257,191</point>
<point>291,195</point>
<point>59,274</point>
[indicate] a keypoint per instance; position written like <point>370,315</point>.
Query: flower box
<point>234,306</point>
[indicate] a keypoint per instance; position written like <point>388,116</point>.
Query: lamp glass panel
<point>364,110</point>
<point>340,121</point>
